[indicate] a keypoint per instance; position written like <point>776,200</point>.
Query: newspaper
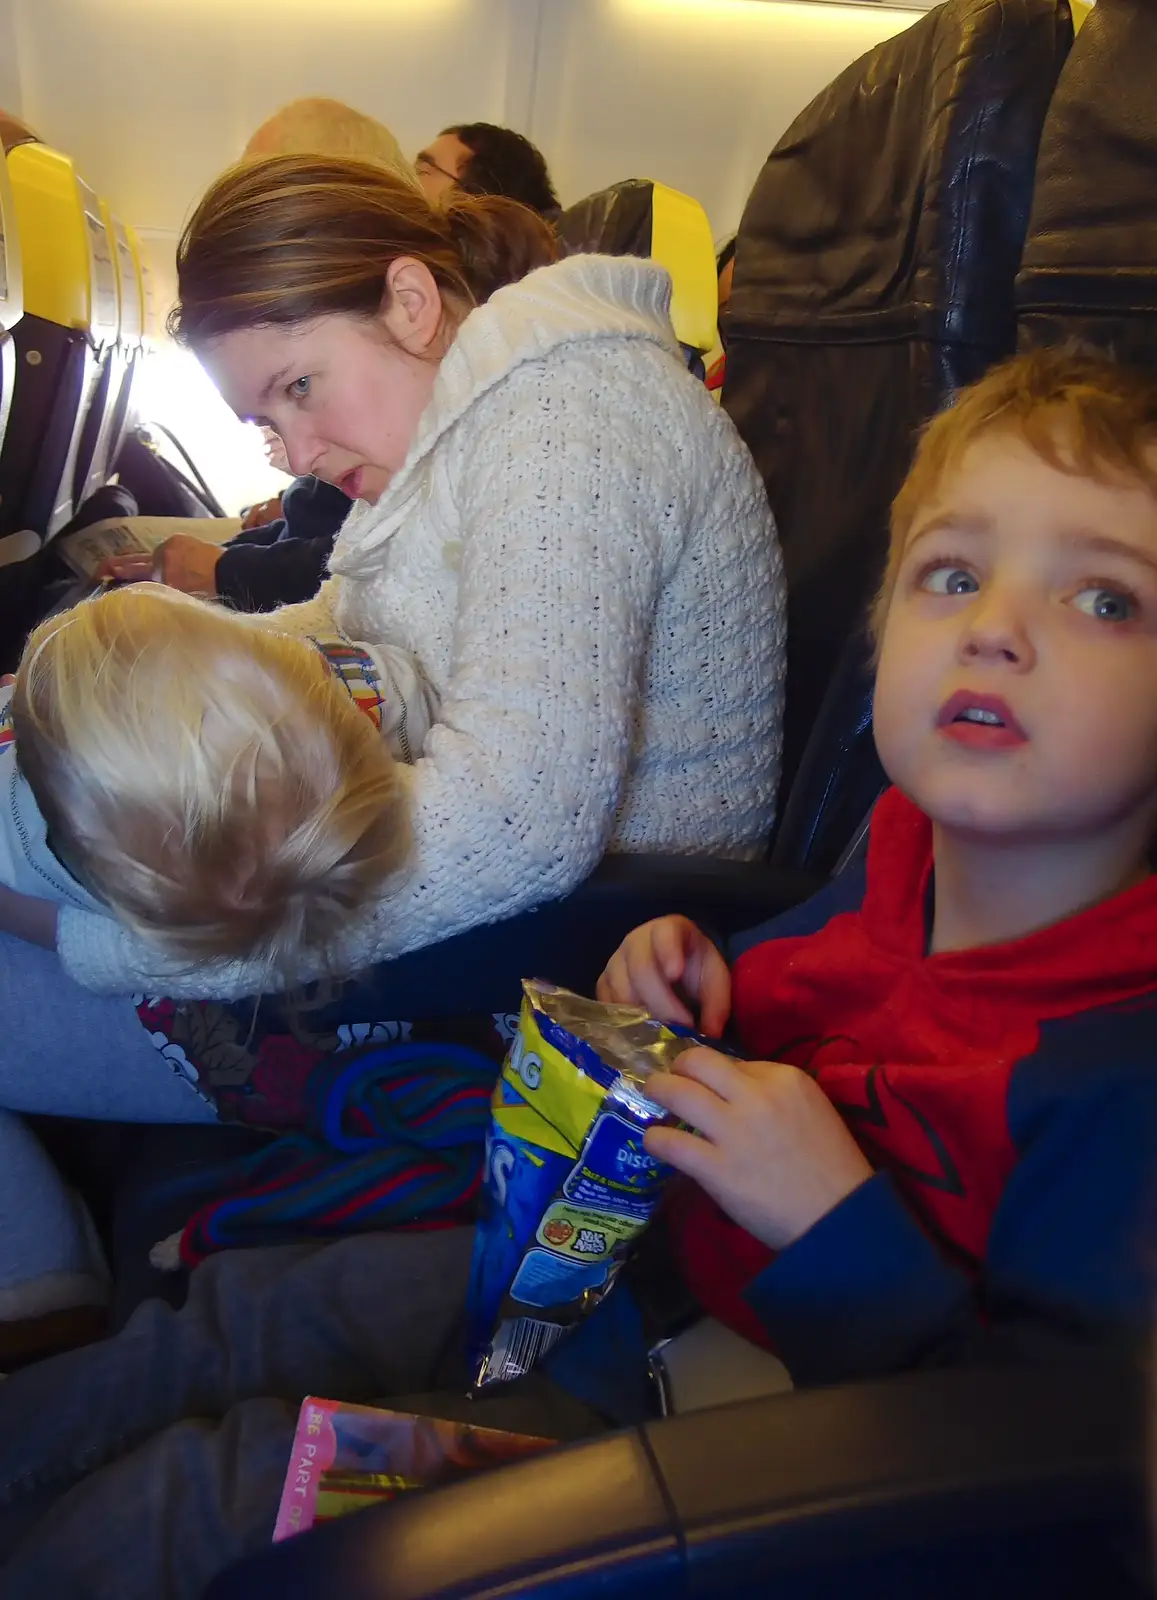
<point>88,549</point>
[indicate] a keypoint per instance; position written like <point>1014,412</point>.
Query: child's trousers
<point>138,1468</point>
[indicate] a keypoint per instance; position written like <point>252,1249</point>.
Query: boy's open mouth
<point>983,721</point>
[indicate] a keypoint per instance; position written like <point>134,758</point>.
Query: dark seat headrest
<point>613,222</point>
<point>1090,259</point>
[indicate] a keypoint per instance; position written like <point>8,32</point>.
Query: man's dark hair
<point>504,162</point>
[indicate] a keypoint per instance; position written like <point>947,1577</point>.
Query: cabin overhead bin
<point>874,274</point>
<point>64,344</point>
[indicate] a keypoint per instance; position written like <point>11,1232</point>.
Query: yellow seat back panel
<point>681,241</point>
<point>69,271</point>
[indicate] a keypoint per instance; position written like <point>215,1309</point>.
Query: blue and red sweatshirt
<point>1007,1098</point>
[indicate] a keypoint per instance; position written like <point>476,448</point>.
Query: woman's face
<point>343,394</point>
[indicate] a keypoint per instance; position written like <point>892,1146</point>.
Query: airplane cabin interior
<point>902,198</point>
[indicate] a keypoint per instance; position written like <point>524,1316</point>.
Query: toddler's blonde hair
<point>208,779</point>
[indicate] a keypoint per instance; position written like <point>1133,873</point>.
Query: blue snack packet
<point>568,1186</point>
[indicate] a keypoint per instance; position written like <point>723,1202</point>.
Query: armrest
<point>727,896</point>
<point>570,941</point>
<point>1005,1483</point>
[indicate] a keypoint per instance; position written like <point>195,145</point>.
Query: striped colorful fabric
<point>355,669</point>
<point>394,1139</point>
<point>7,730</point>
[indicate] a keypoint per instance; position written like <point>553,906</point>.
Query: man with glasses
<point>481,158</point>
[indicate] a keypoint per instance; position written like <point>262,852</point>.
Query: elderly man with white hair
<point>318,126</point>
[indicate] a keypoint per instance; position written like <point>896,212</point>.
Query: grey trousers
<point>136,1469</point>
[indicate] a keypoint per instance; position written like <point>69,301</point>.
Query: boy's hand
<point>670,965</point>
<point>775,1154</point>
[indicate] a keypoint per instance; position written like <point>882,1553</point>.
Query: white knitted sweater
<point>579,551</point>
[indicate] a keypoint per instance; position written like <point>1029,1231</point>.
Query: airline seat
<point>642,218</point>
<point>71,320</point>
<point>11,295</point>
<point>107,420</point>
<point>94,455</point>
<point>150,320</point>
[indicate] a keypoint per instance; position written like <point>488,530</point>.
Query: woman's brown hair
<point>291,238</point>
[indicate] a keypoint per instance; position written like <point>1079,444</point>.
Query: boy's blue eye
<point>299,388</point>
<point>950,580</point>
<point>1107,605</point>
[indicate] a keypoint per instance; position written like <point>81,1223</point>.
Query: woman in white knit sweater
<point>562,528</point>
<point>557,521</point>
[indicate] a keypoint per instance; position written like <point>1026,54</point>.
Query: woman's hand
<point>670,966</point>
<point>182,562</point>
<point>29,919</point>
<point>774,1153</point>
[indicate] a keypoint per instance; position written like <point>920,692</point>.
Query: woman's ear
<point>412,311</point>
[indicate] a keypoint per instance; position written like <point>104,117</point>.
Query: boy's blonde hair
<point>1079,411</point>
<point>208,779</point>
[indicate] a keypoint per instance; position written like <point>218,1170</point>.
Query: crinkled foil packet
<point>568,1185</point>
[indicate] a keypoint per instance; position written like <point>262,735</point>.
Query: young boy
<point>947,1141</point>
<point>950,1126</point>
